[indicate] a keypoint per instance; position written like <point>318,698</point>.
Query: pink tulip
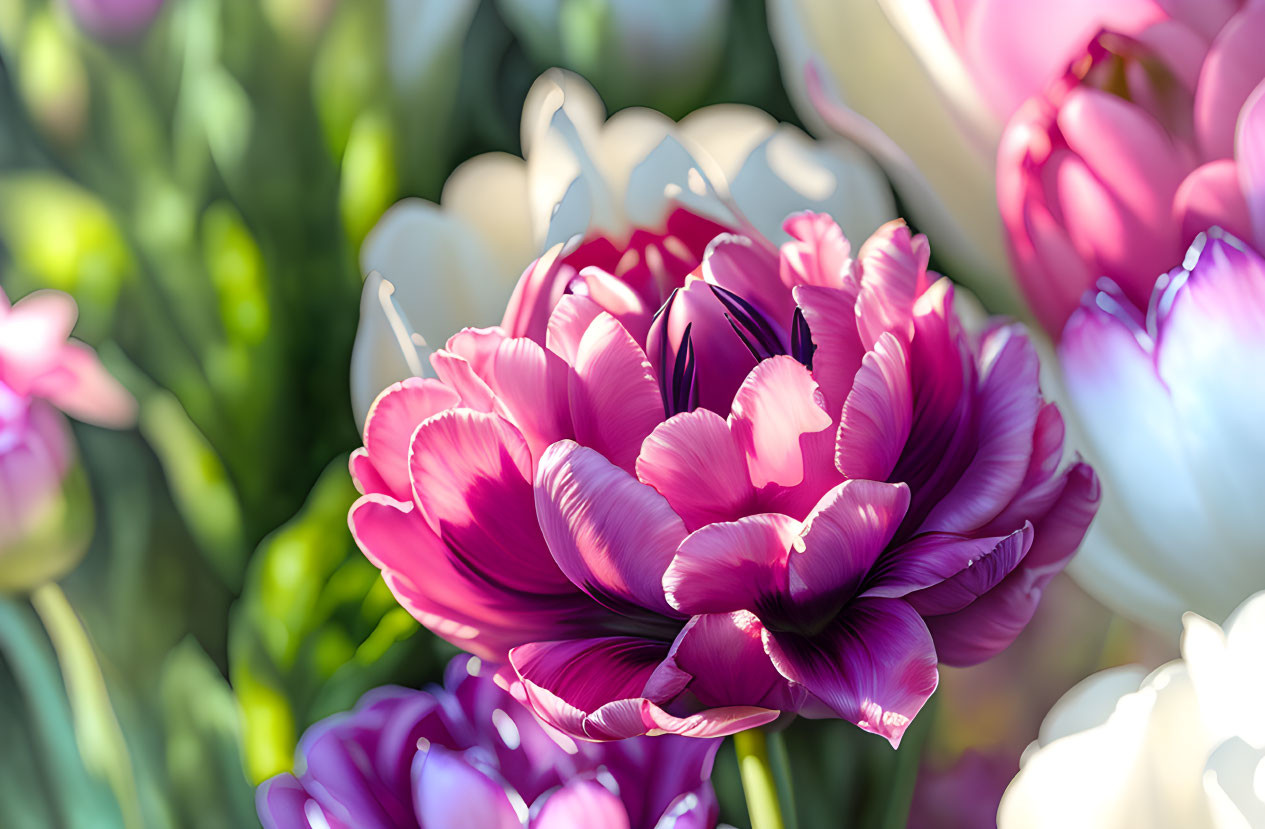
<point>686,499</point>
<point>1115,170</point>
<point>41,372</point>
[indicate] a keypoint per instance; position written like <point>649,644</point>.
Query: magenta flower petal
<point>615,401</point>
<point>581,803</point>
<point>1213,196</point>
<point>611,534</point>
<point>894,272</point>
<point>1233,67</point>
<point>831,316</point>
<point>817,253</point>
<point>730,566</point>
<point>875,669</point>
<point>724,656</point>
<point>693,461</point>
<point>390,424</point>
<point>878,413</point>
<point>470,471</point>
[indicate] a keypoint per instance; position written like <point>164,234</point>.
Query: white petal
<point>1234,781</point>
<point>489,193</point>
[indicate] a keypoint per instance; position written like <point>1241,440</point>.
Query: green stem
<point>757,779</point>
<point>782,776</point>
<point>101,741</point>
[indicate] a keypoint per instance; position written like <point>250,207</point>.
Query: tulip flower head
<point>44,508</point>
<point>1142,145</point>
<point>1170,400</point>
<point>785,481</point>
<point>468,754</point>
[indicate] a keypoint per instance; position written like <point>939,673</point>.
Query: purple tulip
<point>467,754</point>
<point>687,501</point>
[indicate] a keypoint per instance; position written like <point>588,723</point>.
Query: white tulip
<point>433,269</point>
<point>1183,747</point>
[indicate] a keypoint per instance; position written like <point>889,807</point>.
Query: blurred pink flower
<point>115,18</point>
<point>42,371</point>
<point>1121,163</point>
<point>684,501</point>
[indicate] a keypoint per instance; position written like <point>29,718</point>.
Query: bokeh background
<point>199,175</point>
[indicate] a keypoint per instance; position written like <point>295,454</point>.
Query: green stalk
<point>782,776</point>
<point>101,741</point>
<point>758,783</point>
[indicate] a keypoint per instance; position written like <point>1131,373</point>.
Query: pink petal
<point>390,423</point>
<point>571,317</point>
<point>471,475</point>
<point>457,374</point>
<point>731,566</point>
<point>1232,69</point>
<point>615,400</point>
<point>724,658</point>
<point>1249,153</point>
<point>1007,405</point>
<point>878,413</point>
<point>841,540</point>
<point>749,269</point>
<point>831,317</point>
<point>80,386</point>
<point>615,297</point>
<point>365,475</point>
<point>467,608</point>
<point>818,253</point>
<point>537,293</point>
<point>1211,196</point>
<point>530,382</point>
<point>581,803</point>
<point>778,404</point>
<point>893,266</point>
<point>450,793</point>
<point>612,535</point>
<point>874,666</point>
<point>693,461</point>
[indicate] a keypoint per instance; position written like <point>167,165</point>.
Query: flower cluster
<point>467,754</point>
<point>42,534</point>
<point>787,480</point>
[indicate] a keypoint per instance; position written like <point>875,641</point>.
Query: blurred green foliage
<point>201,188</point>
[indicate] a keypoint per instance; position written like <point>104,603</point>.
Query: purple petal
<point>449,793</point>
<point>1007,406</point>
<point>731,566</point>
<point>926,561</point>
<point>983,574</point>
<point>283,803</point>
<point>841,541</point>
<point>875,665</point>
<point>750,270</point>
<point>580,803</point>
<point>1249,152</point>
<point>611,534</point>
<point>987,626</point>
